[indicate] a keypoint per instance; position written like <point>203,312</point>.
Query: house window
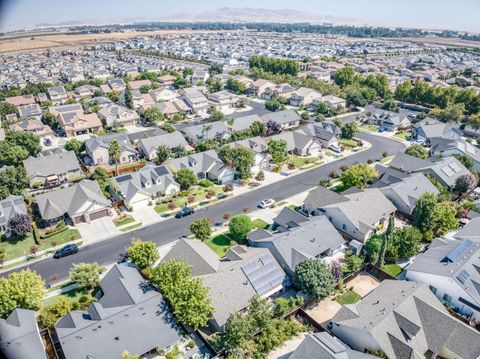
<point>433,289</point>
<point>447,298</point>
<point>344,227</point>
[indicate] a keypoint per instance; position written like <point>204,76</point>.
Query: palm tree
<point>206,129</point>
<point>114,152</point>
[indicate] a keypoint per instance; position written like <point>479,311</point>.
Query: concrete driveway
<point>145,215</point>
<point>98,229</point>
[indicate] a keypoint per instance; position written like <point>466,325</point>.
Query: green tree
<point>216,116</point>
<point>163,153</point>
<point>373,246</point>
<point>358,175</point>
<point>467,161</point>
<point>128,98</point>
<point>186,178</point>
<point>243,161</point>
<point>258,129</point>
<point>152,116</point>
<point>23,289</point>
<point>6,109</point>
<point>387,240</point>
<point>127,355</point>
<point>274,105</point>
<point>235,86</point>
<point>423,214</point>
<point>11,155</point>
<point>87,275</point>
<point>465,183</point>
<point>50,120</point>
<point>27,140</point>
<point>314,278</point>
<point>417,151</point>
<point>49,315</point>
<point>349,130</point>
<point>115,152</point>
<point>75,145</point>
<point>240,226</point>
<point>345,76</point>
<point>277,149</point>
<point>100,174</point>
<point>406,241</point>
<point>142,253</point>
<point>144,89</point>
<point>444,218</point>
<point>13,180</point>
<point>201,228</point>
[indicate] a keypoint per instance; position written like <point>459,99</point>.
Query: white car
<point>267,203</point>
<point>335,148</point>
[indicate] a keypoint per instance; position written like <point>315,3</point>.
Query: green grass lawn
<point>293,206</point>
<point>259,224</point>
<point>199,194</point>
<point>403,135</point>
<point>129,228</point>
<point>74,295</point>
<point>370,128</point>
<point>392,269</point>
<point>349,297</point>
<point>124,220</point>
<point>282,203</point>
<point>302,161</point>
<point>69,235</point>
<point>348,143</point>
<point>220,244</point>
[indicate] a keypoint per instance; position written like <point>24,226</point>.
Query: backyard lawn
<point>392,269</point>
<point>349,297</point>
<point>259,224</point>
<point>220,244</point>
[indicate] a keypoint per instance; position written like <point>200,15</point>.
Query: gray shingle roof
<point>321,197</point>
<point>281,117</point>
<point>11,206</point>
<point>409,164</point>
<point>470,231</point>
<point>52,164</point>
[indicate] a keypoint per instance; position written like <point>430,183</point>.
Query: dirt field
<point>363,284</point>
<point>442,41</point>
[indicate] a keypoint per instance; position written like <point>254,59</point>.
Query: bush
<point>285,305</point>
<point>171,206</point>
<point>205,183</point>
<point>240,226</point>
<point>36,234</point>
<point>142,253</point>
<point>51,314</point>
<point>228,187</point>
<point>260,176</point>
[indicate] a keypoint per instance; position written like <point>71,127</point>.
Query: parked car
<point>67,250</point>
<point>47,142</point>
<point>185,211</point>
<point>267,203</point>
<point>335,148</point>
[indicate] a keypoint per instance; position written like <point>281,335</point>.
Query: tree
<point>23,289</point>
<point>444,218</point>
<point>13,180</point>
<point>12,155</point>
<point>322,108</point>
<point>75,145</point>
<point>235,86</point>
<point>115,152</point>
<point>201,228</point>
<point>373,246</point>
<point>336,270</point>
<point>387,240</point>
<point>277,149</point>
<point>274,65</point>
<point>152,115</point>
<point>6,109</point>
<point>87,275</point>
<point>464,183</point>
<point>358,175</point>
<point>163,153</point>
<point>406,241</point>
<point>258,129</point>
<point>274,105</point>
<point>50,120</point>
<point>273,128</point>
<point>216,116</point>
<point>186,178</point>
<point>127,355</point>
<point>314,278</point>
<point>187,297</point>
<point>142,253</point>
<point>467,161</point>
<point>423,213</point>
<point>243,161</point>
<point>20,224</point>
<point>49,315</point>
<point>345,76</point>
<point>349,130</point>
<point>144,89</point>
<point>179,151</point>
<point>27,140</point>
<point>128,98</point>
<point>100,174</point>
<point>240,226</point>
<point>417,150</point>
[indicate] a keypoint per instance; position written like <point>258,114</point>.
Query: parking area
<point>97,229</point>
<point>145,215</point>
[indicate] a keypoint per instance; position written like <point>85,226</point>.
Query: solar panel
<point>455,167</point>
<point>124,178</point>
<point>448,171</point>
<point>161,170</point>
<point>458,251</point>
<point>263,275</point>
<point>463,276</point>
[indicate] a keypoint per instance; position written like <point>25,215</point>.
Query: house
<point>136,84</point>
<point>20,100</point>
<point>82,202</point>
<point>53,168</point>
<point>259,87</point>
<point>117,85</point>
<point>33,126</point>
<point>113,114</point>
<point>286,119</point>
<point>223,101</point>
<point>33,110</point>
<point>97,149</point>
<point>430,128</point>
<point>299,239</point>
<point>205,165</point>
<point>74,121</point>
<point>57,95</point>
<point>299,143</point>
<point>450,268</point>
<point>283,91</point>
<point>471,131</point>
<point>405,193</point>
<point>259,148</point>
<point>325,346</point>
<point>20,336</point>
<point>205,131</point>
<point>447,147</point>
<point>470,231</point>
<point>357,215</point>
<point>303,97</point>
<point>166,80</point>
<point>85,91</point>
<point>404,319</point>
<point>149,132</point>
<point>148,146</point>
<point>333,101</point>
<point>390,121</point>
<point>9,208</point>
<point>196,101</point>
<point>446,171</point>
<point>163,94</point>
<point>139,188</point>
<point>409,164</point>
<point>242,123</point>
<point>232,281</point>
<point>323,134</point>
<point>129,316</point>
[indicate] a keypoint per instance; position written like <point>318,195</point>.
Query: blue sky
<point>438,14</point>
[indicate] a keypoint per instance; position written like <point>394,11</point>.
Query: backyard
<point>392,269</point>
<point>350,297</point>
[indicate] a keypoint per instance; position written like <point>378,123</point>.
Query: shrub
<point>240,226</point>
<point>260,176</point>
<point>228,187</point>
<point>291,166</point>
<point>205,183</point>
<point>190,199</point>
<point>171,206</point>
<point>142,253</point>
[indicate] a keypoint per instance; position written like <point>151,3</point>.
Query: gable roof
<point>409,164</point>
<point>448,169</point>
<point>281,117</point>
<point>470,231</point>
<point>171,140</point>
<point>52,164</point>
<point>94,143</point>
<point>11,206</point>
<point>321,197</point>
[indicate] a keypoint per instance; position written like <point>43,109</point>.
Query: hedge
<point>54,233</point>
<point>36,234</point>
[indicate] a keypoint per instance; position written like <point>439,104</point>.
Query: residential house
<point>196,101</point>
<point>259,148</point>
<point>97,149</point>
<point>259,87</point>
<point>232,281</point>
<point>85,91</point>
<point>299,143</point>
<point>9,208</point>
<point>390,121</point>
<point>113,114</point>
<point>303,97</point>
<point>139,188</point>
<point>470,231</point>
<point>149,132</point>
<point>333,101</point>
<point>167,80</point>
<point>224,101</point>
<point>205,131</point>
<point>283,91</point>
<point>446,147</point>
<point>130,316</point>
<point>404,319</point>
<point>21,100</point>
<point>163,94</point>
<point>148,146</point>
<point>199,76</point>
<point>136,84</point>
<point>117,85</point>
<point>30,111</point>
<point>57,95</point>
<point>74,121</point>
<point>20,336</point>
<point>242,123</point>
<point>286,119</point>
<point>430,128</point>
<point>33,126</point>
<point>82,202</point>
<point>357,215</point>
<point>52,168</point>
<point>205,165</point>
<point>471,131</point>
<point>300,238</point>
<point>450,268</point>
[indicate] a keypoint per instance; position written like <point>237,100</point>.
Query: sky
<point>463,15</point>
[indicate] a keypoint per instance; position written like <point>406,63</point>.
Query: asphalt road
<point>111,250</point>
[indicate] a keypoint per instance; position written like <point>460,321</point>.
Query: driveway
<point>145,215</point>
<point>98,229</point>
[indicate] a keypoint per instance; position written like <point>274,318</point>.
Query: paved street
<point>164,232</point>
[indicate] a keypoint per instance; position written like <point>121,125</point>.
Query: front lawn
<point>198,193</point>
<point>349,297</point>
<point>348,143</point>
<point>392,269</point>
<point>302,161</point>
<point>370,128</point>
<point>63,237</point>
<point>259,224</point>
<point>220,244</point>
<point>403,135</point>
<point>123,220</point>
<point>73,295</point>
<point>132,227</point>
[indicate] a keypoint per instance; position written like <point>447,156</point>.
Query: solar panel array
<point>264,275</point>
<point>448,171</point>
<point>124,178</point>
<point>463,276</point>
<point>458,251</point>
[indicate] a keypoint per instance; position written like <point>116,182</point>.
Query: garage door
<point>99,214</point>
<point>80,219</point>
